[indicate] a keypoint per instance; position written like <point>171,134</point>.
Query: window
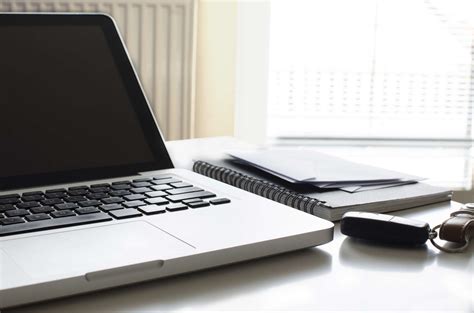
<point>400,69</point>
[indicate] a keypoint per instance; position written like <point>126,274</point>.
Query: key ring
<point>468,212</point>
<point>434,234</point>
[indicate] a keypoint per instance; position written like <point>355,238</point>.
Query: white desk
<point>344,275</point>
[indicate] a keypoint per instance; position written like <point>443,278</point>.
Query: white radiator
<point>159,35</point>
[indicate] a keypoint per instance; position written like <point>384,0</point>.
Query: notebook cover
<point>338,202</point>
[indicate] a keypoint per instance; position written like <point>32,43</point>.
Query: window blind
<point>371,69</point>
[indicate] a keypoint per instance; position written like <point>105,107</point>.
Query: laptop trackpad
<point>76,252</point>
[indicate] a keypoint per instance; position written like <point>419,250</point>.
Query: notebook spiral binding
<point>259,186</point>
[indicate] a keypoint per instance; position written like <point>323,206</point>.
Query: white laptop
<point>89,198</point>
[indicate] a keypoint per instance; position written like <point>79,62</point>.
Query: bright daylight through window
<point>371,69</point>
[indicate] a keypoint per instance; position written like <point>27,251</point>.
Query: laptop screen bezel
<point>133,87</point>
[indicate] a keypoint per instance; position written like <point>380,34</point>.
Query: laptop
<point>89,197</point>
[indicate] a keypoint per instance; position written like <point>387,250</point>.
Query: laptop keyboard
<point>56,208</point>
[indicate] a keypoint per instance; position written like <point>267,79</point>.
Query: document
<point>319,169</point>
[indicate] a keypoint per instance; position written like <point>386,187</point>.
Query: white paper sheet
<point>317,168</point>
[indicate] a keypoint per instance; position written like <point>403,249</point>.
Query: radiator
<point>160,38</point>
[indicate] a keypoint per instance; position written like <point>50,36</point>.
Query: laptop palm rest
<point>97,252</point>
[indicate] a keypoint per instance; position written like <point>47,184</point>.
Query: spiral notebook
<point>324,203</point>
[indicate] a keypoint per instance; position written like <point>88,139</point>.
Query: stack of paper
<point>321,170</point>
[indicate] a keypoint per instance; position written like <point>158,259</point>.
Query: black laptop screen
<point>69,104</point>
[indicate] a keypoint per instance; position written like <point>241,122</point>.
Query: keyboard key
<point>219,201</point>
<point>97,196</point>
<point>54,223</point>
<point>42,209</point>
<point>19,212</point>
<point>157,200</point>
<point>37,217</point>
<point>133,204</point>
<point>32,193</point>
<point>140,190</point>
<point>191,200</point>
<point>83,187</point>
<point>11,195</point>
<point>181,185</point>
<point>110,207</point>
<point>152,209</point>
<point>64,213</point>
<point>141,184</point>
<point>6,207</point>
<point>135,197</point>
<point>176,207</point>
<point>99,189</point>
<point>10,221</point>
<point>79,192</point>
<point>66,206</point>
<point>122,182</point>
<point>75,199</point>
<point>161,187</point>
<point>112,200</point>
<point>185,196</point>
<point>90,203</point>
<point>55,190</point>
<point>121,187</point>
<point>27,205</point>
<point>156,194</point>
<point>183,190</point>
<point>144,179</point>
<point>119,193</point>
<point>125,213</point>
<point>100,185</point>
<point>87,210</point>
<point>52,195</point>
<point>51,201</point>
<point>9,200</point>
<point>199,204</point>
<point>32,198</point>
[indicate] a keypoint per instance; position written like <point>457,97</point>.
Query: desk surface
<point>343,275</point>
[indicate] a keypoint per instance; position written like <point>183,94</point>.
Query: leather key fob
<point>460,226</point>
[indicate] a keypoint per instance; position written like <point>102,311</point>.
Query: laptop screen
<point>70,103</point>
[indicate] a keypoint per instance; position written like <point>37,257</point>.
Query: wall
<point>215,68</point>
